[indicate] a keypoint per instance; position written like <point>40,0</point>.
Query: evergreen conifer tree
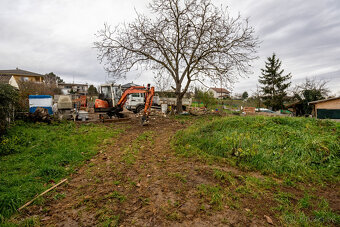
<point>274,83</point>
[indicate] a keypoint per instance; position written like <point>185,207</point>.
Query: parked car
<point>264,110</point>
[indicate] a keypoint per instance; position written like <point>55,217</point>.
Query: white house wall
<point>13,82</point>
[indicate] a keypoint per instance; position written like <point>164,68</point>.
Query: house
<point>80,89</point>
<point>220,93</point>
<point>22,75</point>
<point>8,79</point>
<point>326,108</point>
<point>128,85</point>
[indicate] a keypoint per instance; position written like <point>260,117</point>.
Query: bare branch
<point>186,39</point>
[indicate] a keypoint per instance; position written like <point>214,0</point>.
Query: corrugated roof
<point>5,78</point>
<point>324,100</point>
<point>19,72</point>
<point>220,90</point>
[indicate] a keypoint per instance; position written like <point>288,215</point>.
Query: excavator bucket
<point>145,120</point>
<point>115,111</point>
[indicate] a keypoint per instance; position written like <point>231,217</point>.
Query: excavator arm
<point>149,94</point>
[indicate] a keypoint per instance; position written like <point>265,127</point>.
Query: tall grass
<point>299,148</point>
<point>34,155</point>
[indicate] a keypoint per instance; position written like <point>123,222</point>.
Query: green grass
<point>304,213</point>
<point>212,194</point>
<point>116,195</point>
<point>132,150</point>
<point>34,155</point>
<point>298,148</point>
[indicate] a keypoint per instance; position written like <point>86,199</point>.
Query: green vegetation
<point>8,101</point>
<point>211,194</point>
<point>117,196</point>
<point>274,83</point>
<point>305,213</point>
<point>206,97</point>
<point>32,156</point>
<point>298,148</point>
<point>132,150</point>
<point>179,176</point>
<point>300,151</point>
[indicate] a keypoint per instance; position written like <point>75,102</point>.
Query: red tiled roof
<point>220,90</point>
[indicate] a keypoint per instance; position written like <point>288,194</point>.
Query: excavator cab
<point>109,95</point>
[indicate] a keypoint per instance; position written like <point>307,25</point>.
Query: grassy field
<point>298,148</point>
<point>298,160</point>
<point>228,170</point>
<point>33,156</point>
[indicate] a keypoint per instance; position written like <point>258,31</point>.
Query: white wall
<point>13,82</point>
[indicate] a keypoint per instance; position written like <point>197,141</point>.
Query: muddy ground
<point>139,180</point>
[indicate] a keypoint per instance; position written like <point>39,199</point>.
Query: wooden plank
<point>43,193</point>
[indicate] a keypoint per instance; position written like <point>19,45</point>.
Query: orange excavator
<point>104,106</point>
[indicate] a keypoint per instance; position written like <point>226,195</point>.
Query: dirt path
<point>138,180</point>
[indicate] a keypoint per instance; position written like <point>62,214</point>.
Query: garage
<point>326,108</point>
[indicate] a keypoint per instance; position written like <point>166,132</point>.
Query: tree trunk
<point>179,106</point>
<point>179,96</point>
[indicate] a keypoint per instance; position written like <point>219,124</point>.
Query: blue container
<point>44,101</point>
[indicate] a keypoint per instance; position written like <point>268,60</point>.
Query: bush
<point>8,102</point>
<point>207,98</point>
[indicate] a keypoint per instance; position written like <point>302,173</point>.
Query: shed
<point>326,108</point>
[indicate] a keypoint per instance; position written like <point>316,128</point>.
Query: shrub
<point>206,97</point>
<point>8,102</point>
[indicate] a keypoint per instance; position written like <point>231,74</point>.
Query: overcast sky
<point>57,36</point>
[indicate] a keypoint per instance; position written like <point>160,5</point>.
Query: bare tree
<point>310,90</point>
<point>319,87</point>
<point>52,79</point>
<point>188,40</point>
<point>162,82</point>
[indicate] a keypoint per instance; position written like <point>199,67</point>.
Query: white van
<point>135,102</point>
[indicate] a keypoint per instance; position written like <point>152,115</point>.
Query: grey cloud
<point>58,36</point>
<point>304,34</point>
